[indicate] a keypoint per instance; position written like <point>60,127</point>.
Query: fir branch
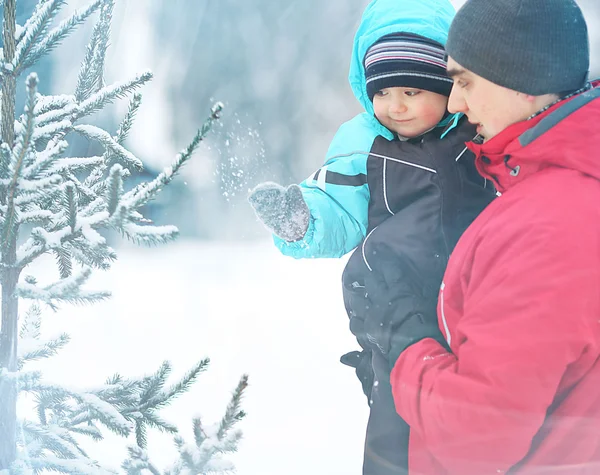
<point>69,205</point>
<point>148,235</point>
<point>141,436</point>
<point>89,430</point>
<point>49,104</point>
<point>97,256</point>
<point>35,217</point>
<point>65,290</point>
<point>30,328</point>
<point>104,138</point>
<point>76,164</point>
<point>199,434</point>
<point>79,466</point>
<point>95,177</point>
<point>44,160</point>
<point>127,123</point>
<point>156,422</point>
<point>109,93</point>
<point>81,415</point>
<point>31,190</point>
<point>58,128</point>
<point>88,194</point>
<point>114,188</point>
<point>230,444</point>
<point>64,261</point>
<point>5,159</point>
<point>56,115</point>
<point>54,439</point>
<point>138,461</point>
<point>187,458</point>
<point>106,413</point>
<point>26,200</point>
<point>28,381</point>
<point>90,78</point>
<point>29,251</point>
<point>55,36</point>
<point>152,385</point>
<point>141,195</point>
<point>42,350</point>
<point>35,29</point>
<point>186,382</point>
<point>233,414</point>
<point>19,154</point>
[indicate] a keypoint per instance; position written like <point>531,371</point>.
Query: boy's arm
<point>336,196</point>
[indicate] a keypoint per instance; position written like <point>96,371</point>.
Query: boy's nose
<point>456,102</point>
<point>398,107</point>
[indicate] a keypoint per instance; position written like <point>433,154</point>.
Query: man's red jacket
<point>520,309</point>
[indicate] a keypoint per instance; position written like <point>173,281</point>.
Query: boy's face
<point>408,111</point>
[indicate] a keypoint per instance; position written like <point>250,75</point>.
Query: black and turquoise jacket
<point>339,194</point>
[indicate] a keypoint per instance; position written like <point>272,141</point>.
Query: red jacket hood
<point>566,135</point>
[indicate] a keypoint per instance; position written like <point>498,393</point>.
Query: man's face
<point>409,111</point>
<point>493,108</point>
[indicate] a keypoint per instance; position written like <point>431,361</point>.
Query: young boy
<point>399,181</point>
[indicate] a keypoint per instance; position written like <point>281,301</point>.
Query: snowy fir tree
<point>60,205</point>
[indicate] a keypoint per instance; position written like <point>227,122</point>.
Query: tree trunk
<point>9,275</point>
<point>8,362</point>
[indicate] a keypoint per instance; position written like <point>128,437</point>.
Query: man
<point>519,390</point>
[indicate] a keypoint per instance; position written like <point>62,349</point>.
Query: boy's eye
<point>380,93</point>
<point>412,93</point>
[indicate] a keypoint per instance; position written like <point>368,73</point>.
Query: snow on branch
<point>65,290</point>
<point>108,94</point>
<point>48,42</point>
<point>90,78</point>
<point>140,195</point>
<point>47,104</point>
<point>21,154</point>
<point>92,132</point>
<point>71,201</point>
<point>36,28</point>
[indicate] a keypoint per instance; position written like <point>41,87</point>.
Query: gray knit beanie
<point>532,46</point>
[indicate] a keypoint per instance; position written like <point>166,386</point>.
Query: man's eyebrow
<point>453,72</point>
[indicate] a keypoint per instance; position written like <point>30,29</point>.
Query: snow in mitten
<point>282,210</point>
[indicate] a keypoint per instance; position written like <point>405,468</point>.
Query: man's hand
<point>412,330</point>
<point>282,210</point>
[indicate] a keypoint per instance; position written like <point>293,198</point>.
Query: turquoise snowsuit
<point>337,194</point>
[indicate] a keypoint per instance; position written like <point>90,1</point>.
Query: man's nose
<point>456,102</point>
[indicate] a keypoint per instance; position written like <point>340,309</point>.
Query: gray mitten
<point>282,210</point>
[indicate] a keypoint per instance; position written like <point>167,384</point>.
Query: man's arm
<point>528,313</point>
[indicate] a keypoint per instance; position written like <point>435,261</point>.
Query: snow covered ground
<point>250,310</point>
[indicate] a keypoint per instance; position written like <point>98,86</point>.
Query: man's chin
<point>484,134</point>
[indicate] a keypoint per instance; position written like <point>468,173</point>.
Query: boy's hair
<point>406,60</point>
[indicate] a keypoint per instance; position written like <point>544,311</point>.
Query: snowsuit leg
<point>386,443</point>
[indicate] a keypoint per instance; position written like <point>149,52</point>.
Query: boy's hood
<point>428,18</point>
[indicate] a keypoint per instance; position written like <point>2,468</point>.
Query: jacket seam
<point>363,250</point>
<point>431,170</point>
<point>385,197</point>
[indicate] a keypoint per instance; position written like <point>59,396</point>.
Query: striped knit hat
<point>406,60</point>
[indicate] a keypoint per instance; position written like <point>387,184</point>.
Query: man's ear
<point>526,97</point>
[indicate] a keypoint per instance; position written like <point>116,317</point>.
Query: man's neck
<point>553,101</point>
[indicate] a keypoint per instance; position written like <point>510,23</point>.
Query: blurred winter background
<point>280,68</point>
